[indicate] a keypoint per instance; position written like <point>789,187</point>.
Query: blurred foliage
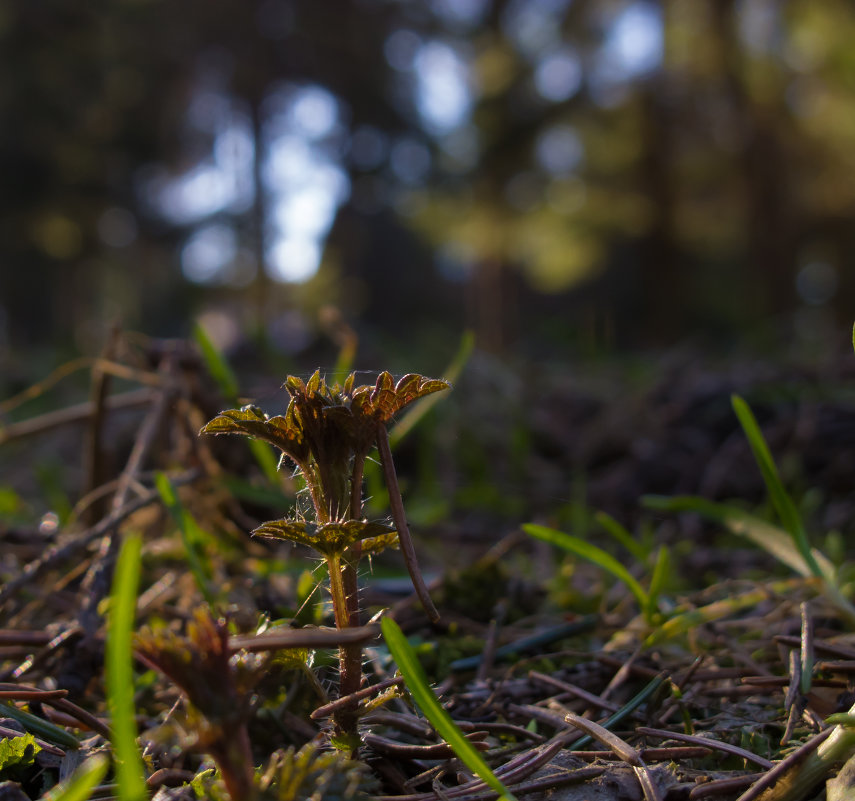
<point>546,173</point>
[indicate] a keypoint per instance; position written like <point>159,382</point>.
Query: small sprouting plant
<point>648,599</point>
<point>787,542</point>
<point>327,432</point>
<point>217,686</point>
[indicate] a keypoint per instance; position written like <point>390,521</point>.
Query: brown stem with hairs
<point>346,593</point>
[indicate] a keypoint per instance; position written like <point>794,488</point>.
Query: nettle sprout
<point>327,432</point>
<point>217,685</point>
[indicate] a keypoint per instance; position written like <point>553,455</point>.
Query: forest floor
<point>716,672</point>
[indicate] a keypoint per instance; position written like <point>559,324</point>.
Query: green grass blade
<point>267,460</point>
<point>419,687</point>
<point>622,535</point>
<point>590,553</point>
<point>81,785</point>
<point>217,366</point>
<point>781,500</point>
<point>120,676</point>
<point>40,727</point>
<point>421,407</point>
<point>681,623</point>
<point>772,539</point>
<point>627,709</point>
<point>83,782</point>
<point>191,535</point>
<point>661,569</point>
<point>227,382</point>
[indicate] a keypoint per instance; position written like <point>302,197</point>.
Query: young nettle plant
<point>327,432</point>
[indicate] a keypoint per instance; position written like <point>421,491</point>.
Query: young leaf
<point>686,621</point>
<point>18,752</point>
<point>419,687</point>
<point>591,553</point>
<point>120,677</point>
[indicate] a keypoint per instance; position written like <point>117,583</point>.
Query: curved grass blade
<point>593,554</point>
<point>412,417</point>
<point>770,538</point>
<point>622,535</point>
<point>657,582</point>
<point>419,687</point>
<point>217,366</point>
<point>781,500</point>
<point>191,536</point>
<point>773,539</point>
<point>681,623</point>
<point>119,667</point>
<point>83,782</point>
<point>227,382</point>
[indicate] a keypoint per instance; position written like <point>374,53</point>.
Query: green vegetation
<point>612,645</point>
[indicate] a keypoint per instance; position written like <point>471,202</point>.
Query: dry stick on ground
<point>57,700</point>
<point>74,414</point>
<point>114,368</point>
<point>94,456</point>
<point>706,742</point>
<point>96,584</point>
<point>59,553</point>
<point>623,749</point>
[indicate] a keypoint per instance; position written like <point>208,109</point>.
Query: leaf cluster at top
<point>327,423</point>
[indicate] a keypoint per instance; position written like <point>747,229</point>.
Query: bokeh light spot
<point>558,75</point>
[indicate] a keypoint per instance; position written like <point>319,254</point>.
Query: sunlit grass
<point>418,685</point>
<point>119,670</point>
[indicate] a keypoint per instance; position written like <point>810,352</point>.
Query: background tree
<point>546,172</point>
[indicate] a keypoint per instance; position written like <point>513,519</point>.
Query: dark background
<point>559,176</point>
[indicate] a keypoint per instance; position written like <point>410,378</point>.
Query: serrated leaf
<point>291,658</point>
<point>283,432</point>
<point>328,539</point>
<point>374,545</point>
<point>292,530</point>
<point>294,384</point>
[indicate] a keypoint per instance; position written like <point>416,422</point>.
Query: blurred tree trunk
<point>491,305</point>
<point>663,282</point>
<point>771,251</point>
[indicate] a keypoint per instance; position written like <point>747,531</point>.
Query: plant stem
<point>233,756</point>
<point>346,612</point>
<point>400,519</point>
